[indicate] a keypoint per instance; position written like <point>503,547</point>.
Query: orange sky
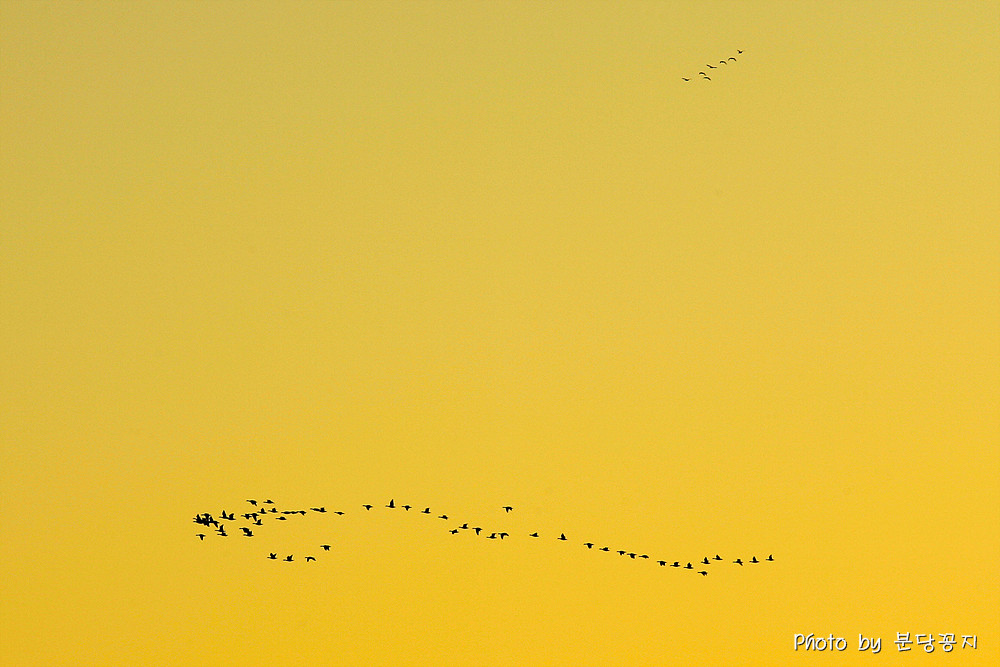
<point>468,255</point>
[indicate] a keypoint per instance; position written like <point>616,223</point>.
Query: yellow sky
<point>465,255</point>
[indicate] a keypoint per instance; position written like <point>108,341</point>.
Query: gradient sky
<point>466,255</point>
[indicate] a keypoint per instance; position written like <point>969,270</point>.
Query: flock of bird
<point>266,509</point>
<point>704,73</point>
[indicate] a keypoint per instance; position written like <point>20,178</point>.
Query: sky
<point>472,255</point>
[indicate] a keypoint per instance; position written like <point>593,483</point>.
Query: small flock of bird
<point>266,509</point>
<point>704,73</point>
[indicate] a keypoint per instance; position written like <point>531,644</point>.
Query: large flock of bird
<point>266,509</point>
<point>704,74</point>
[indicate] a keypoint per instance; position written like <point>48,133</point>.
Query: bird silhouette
<point>702,73</point>
<point>503,535</point>
<point>723,62</point>
<point>675,564</point>
<point>407,507</point>
<point>281,518</point>
<point>464,526</point>
<point>605,549</point>
<point>622,552</point>
<point>683,79</point>
<point>253,502</point>
<point>367,507</point>
<point>662,562</point>
<point>200,536</point>
<point>507,508</point>
<point>477,529</point>
<point>632,555</point>
<point>562,536</point>
<point>689,567</point>
<point>338,512</point>
<point>734,59</point>
<point>710,66</point>
<point>644,556</point>
<point>771,558</point>
<point>703,573</point>
<point>738,51</point>
<point>326,547</point>
<point>268,502</point>
<point>589,545</point>
<point>443,516</point>
<point>718,557</point>
<point>533,535</point>
<point>491,536</point>
<point>309,558</point>
<point>273,556</point>
<point>391,504</point>
<point>705,561</point>
<point>426,510</point>
<point>738,561</point>
<point>288,558</point>
<point>754,560</point>
<point>318,509</point>
<point>707,78</point>
<point>454,531</point>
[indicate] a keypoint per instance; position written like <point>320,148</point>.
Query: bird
<point>622,552</point>
<point>754,560</point>
<point>454,531</point>
<point>391,504</point>
<point>771,558</point>
<point>326,547</point>
<point>426,510</point>
<point>683,79</point>
<point>407,507</point>
<point>253,502</point>
<point>247,532</point>
<point>705,561</point>
<point>689,567</point>
<point>503,535</point>
<point>533,535</point>
<point>464,526</point>
<point>507,508</point>
<point>273,556</point>
<point>562,536</point>
<point>734,59</point>
<point>309,558</point>
<point>702,73</point>
<point>632,555</point>
<point>738,51</point>
<point>318,509</point>
<point>288,558</point>
<point>200,536</point>
<point>268,502</point>
<point>644,556</point>
<point>675,564</point>
<point>605,549</point>
<point>738,561</point>
<point>703,573</point>
<point>662,562</point>
<point>707,78</point>
<point>718,557</point>
<point>710,66</point>
<point>367,507</point>
<point>477,529</point>
<point>491,536</point>
<point>339,513</point>
<point>723,62</point>
<point>443,516</point>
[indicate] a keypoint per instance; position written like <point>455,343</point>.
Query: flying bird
<point>589,545</point>
<point>718,557</point>
<point>367,507</point>
<point>662,562</point>
<point>339,513</point>
<point>253,502</point>
<point>703,573</point>
<point>689,567</point>
<point>273,556</point>
<point>769,558</point>
<point>738,561</point>
<point>201,536</point>
<point>710,66</point>
<point>707,78</point>
<point>454,531</point>
<point>268,502</point>
<point>507,508</point>
<point>391,504</point>
<point>754,560</point>
<point>427,510</point>
<point>683,79</point>
<point>407,507</point>
<point>605,549</point>
<point>533,535</point>
<point>562,536</point>
<point>443,516</point>
<point>309,558</point>
<point>734,59</point>
<point>705,561</point>
<point>288,558</point>
<point>477,529</point>
<point>326,547</point>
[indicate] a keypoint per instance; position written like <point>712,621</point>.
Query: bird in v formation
<point>704,76</point>
<point>255,517</point>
